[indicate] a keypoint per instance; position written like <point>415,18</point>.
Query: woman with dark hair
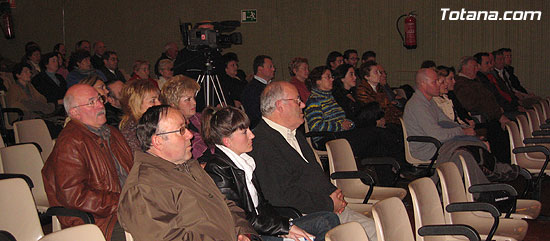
<point>61,59</point>
<point>141,72</point>
<point>81,67</point>
<point>344,90</point>
<point>231,82</point>
<point>299,71</point>
<point>334,59</point>
<point>32,57</point>
<point>369,90</point>
<point>447,100</point>
<point>323,113</point>
<point>50,84</point>
<point>24,96</point>
<point>232,169</point>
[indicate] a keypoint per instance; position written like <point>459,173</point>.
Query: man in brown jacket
<point>168,196</point>
<point>89,163</point>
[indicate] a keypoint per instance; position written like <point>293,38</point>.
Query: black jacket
<point>112,77</point>
<point>232,183</point>
<point>48,88</point>
<point>250,98</point>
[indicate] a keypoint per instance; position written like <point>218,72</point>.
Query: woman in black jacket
<point>233,172</point>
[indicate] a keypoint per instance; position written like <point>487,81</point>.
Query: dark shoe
<point>412,173</point>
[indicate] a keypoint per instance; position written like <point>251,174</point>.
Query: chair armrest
<point>493,187</point>
<point>545,126</point>
<point>538,140</point>
<point>526,149</point>
<point>454,229</point>
<point>426,139</point>
<point>34,143</point>
<point>17,111</point>
<point>381,161</point>
<point>541,133</point>
<point>288,212</point>
<point>15,175</point>
<point>67,212</point>
<point>473,206</point>
<point>363,176</point>
<point>319,134</point>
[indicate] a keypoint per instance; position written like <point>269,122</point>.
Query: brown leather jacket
<point>365,94</point>
<point>80,173</point>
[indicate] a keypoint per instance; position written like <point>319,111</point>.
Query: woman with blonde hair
<point>179,92</point>
<point>136,97</point>
<point>299,71</point>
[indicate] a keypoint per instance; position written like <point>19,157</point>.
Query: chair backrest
<point>34,130</point>
<point>17,210</point>
<point>467,179</point>
<point>316,152</point>
<point>86,232</point>
<point>545,110</point>
<point>538,110</point>
<point>392,220</point>
<point>129,236</point>
<point>515,140</point>
<point>533,122</point>
<point>25,159</point>
<point>351,231</point>
<point>6,117</point>
<point>452,191</point>
<point>525,130</point>
<point>410,159</point>
<point>427,207</point>
<point>341,159</point>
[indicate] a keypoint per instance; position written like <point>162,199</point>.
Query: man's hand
<point>296,233</point>
<point>338,201</point>
<point>242,237</point>
<point>471,123</point>
<point>347,124</point>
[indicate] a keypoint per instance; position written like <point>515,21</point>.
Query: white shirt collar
<point>262,80</point>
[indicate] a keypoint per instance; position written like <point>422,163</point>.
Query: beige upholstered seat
<point>17,210</point>
<point>428,211</point>
<point>341,159</point>
<point>452,189</point>
<point>86,232</point>
<point>525,208</point>
<point>34,130</point>
<point>352,231</point>
<point>318,153</point>
<point>392,221</point>
<point>410,159</point>
<point>533,162</point>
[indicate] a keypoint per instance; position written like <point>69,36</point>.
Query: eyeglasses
<point>181,131</point>
<point>327,77</point>
<point>297,100</point>
<point>93,102</point>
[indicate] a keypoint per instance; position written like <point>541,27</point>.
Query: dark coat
<point>285,178</point>
<point>232,183</point>
<point>250,99</point>
<point>112,77</point>
<point>48,88</point>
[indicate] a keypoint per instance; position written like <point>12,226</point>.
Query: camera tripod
<point>210,84</point>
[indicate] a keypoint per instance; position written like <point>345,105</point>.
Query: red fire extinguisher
<point>409,41</point>
<point>6,20</point>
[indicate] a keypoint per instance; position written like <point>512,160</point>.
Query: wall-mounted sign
<point>248,16</point>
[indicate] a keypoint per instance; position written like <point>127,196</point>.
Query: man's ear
<point>74,113</point>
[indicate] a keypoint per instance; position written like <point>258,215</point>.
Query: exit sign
<point>248,16</point>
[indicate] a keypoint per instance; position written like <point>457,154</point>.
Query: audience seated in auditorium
<point>136,97</point>
<point>24,96</point>
<point>368,56</point>
<point>447,102</point>
<point>369,90</point>
<point>344,90</point>
<point>504,70</point>
<point>394,99</point>
<point>113,109</point>
<point>170,53</point>
<point>81,67</point>
<point>334,59</point>
<point>82,45</point>
<point>168,196</point>
<point>179,92</point>
<point>60,48</point>
<point>97,58</point>
<point>351,57</point>
<point>264,71</point>
<point>165,71</point>
<point>286,169</point>
<point>299,72</point>
<point>32,57</point>
<point>141,72</point>
<point>232,80</point>
<point>110,67</point>
<point>89,163</point>
<point>428,64</point>
<point>62,60</point>
<point>232,169</point>
<point>50,84</point>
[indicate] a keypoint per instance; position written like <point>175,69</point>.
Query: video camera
<point>196,38</point>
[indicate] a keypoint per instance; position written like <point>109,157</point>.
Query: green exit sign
<point>248,16</point>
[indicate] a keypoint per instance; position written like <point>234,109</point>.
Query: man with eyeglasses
<point>89,163</point>
<point>110,67</point>
<point>168,196</point>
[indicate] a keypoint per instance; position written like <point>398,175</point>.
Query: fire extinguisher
<point>409,41</point>
<point>6,20</point>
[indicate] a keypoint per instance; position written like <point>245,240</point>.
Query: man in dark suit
<point>264,71</point>
<point>286,168</point>
<point>110,67</point>
<point>97,58</point>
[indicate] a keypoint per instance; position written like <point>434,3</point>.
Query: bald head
<point>427,82</point>
<point>83,103</point>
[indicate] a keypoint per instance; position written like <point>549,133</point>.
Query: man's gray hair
<point>68,102</point>
<point>272,93</point>
<point>464,61</point>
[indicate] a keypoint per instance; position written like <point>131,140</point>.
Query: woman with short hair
<point>299,71</point>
